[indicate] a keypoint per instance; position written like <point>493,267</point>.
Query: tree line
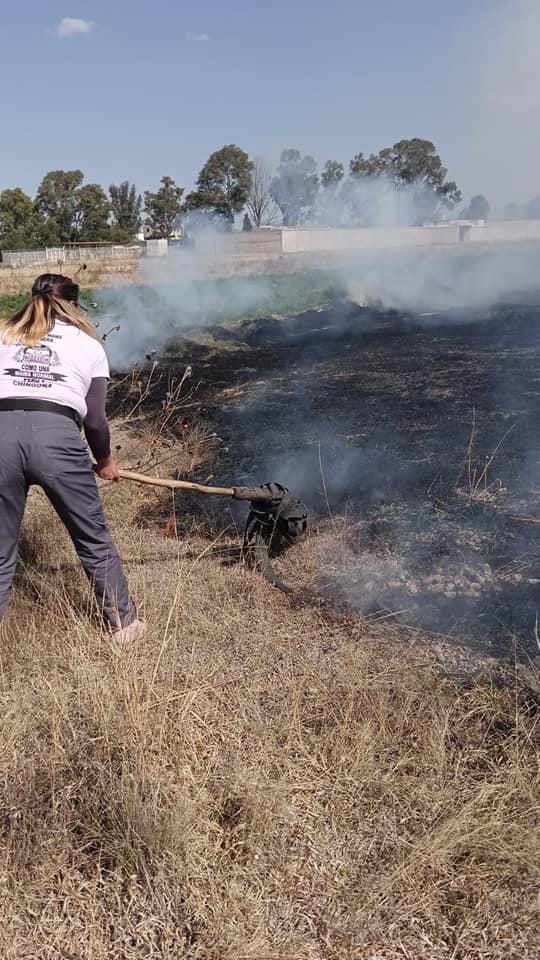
<point>403,183</point>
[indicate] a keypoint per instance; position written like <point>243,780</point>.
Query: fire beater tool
<point>277,519</point>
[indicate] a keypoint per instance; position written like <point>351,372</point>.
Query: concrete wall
<point>373,238</point>
<point>293,240</point>
<point>519,231</point>
<point>264,243</point>
<point>257,243</point>
<point>157,248</point>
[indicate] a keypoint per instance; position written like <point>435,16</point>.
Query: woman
<point>53,380</point>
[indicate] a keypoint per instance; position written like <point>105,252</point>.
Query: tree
<point>56,202</point>
<point>417,162</point>
<point>330,205</point>
<point>414,164</point>
<point>19,222</point>
<point>126,206</point>
<point>92,215</point>
<point>261,208</point>
<point>224,184</point>
<point>375,165</point>
<point>478,208</point>
<point>332,174</point>
<point>533,208</point>
<point>163,208</point>
<point>295,187</point>
<point>512,211</point>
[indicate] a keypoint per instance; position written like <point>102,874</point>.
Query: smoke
<point>502,92</point>
<point>502,146</point>
<point>178,296</point>
<point>365,410</point>
<point>376,201</point>
<point>369,421</point>
<point>175,295</point>
<point>435,280</point>
<point>491,140</point>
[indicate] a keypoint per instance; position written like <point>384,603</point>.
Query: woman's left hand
<point>107,469</point>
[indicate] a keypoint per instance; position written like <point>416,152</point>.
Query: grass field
<point>275,293</point>
<point>10,304</point>
<point>270,776</point>
<point>259,778</point>
<point>219,301</point>
<point>228,302</point>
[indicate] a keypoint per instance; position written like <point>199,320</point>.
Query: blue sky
<point>137,90</point>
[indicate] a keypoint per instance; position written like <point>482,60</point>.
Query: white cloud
<point>72,26</point>
<point>198,38</point>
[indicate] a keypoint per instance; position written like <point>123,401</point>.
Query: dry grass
<point>479,487</point>
<point>254,780</point>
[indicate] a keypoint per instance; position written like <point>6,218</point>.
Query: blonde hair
<point>53,297</point>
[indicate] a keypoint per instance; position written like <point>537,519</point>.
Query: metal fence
<point>24,258</point>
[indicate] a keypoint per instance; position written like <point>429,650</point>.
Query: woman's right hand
<point>107,469</point>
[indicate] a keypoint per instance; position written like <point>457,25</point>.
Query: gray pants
<point>47,449</point>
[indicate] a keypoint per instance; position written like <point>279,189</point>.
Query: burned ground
<point>413,440</point>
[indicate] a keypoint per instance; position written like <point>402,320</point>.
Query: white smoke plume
<point>317,459</point>
<point>177,296</point>
<point>375,202</point>
<point>502,90</point>
<point>422,281</point>
<point>173,296</point>
<point>503,87</point>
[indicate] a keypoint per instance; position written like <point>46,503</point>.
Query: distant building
<point>146,233</point>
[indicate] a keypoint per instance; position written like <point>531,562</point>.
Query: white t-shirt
<point>59,368</point>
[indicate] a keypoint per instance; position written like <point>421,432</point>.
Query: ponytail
<point>53,296</point>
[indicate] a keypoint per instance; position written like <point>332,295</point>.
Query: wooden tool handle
<point>176,484</point>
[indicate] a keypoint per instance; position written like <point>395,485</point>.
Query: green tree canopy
<point>332,199</point>
<point>332,174</point>
<point>126,206</point>
<point>163,208</point>
<point>414,163</point>
<point>223,184</point>
<point>56,203</point>
<point>92,213</point>
<point>375,165</point>
<point>295,186</point>
<point>19,222</point>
